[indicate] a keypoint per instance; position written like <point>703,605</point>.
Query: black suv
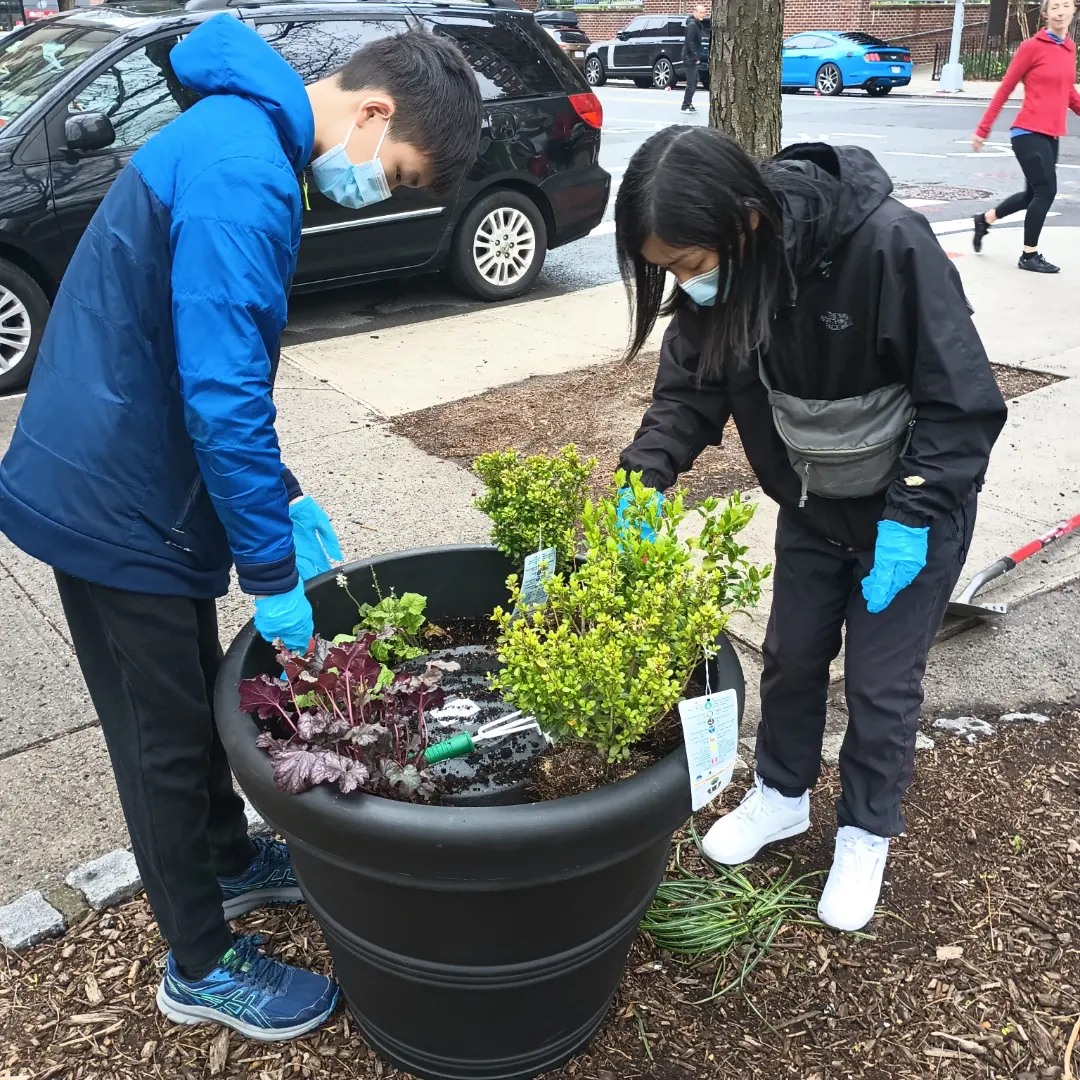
<point>80,92</point>
<point>649,51</point>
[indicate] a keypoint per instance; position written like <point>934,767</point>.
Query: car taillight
<point>873,58</point>
<point>905,58</point>
<point>588,107</point>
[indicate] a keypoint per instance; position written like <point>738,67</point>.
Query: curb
<point>102,883</point>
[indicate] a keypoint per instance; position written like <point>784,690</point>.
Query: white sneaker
<point>850,896</point>
<point>763,817</point>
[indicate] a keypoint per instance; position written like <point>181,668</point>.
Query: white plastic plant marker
<point>539,566</point>
<point>711,732</point>
<point>454,710</point>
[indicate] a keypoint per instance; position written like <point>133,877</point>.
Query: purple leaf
<point>310,724</point>
<point>263,696</point>
<point>268,741</point>
<point>367,734</point>
<point>334,768</point>
<point>293,767</point>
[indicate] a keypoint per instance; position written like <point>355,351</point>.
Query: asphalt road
<point>925,144</point>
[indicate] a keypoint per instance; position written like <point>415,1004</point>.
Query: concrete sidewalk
<point>58,807</point>
<point>923,84</point>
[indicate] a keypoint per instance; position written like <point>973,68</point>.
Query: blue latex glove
<point>626,500</point>
<point>316,543</point>
<point>286,616</point>
<point>899,555</point>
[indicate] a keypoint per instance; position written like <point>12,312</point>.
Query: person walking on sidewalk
<point>825,319</point>
<point>145,462</point>
<point>691,54</point>
<point>1046,65</point>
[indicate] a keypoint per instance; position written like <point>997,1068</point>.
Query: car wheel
<point>500,246</point>
<point>829,80</point>
<point>643,83</point>
<point>23,311</point>
<point>663,74</point>
<point>594,72</point>
<point>878,91</point>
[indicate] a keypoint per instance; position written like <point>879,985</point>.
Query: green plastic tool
<point>465,743</point>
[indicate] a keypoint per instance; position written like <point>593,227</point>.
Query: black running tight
<point>1038,156</point>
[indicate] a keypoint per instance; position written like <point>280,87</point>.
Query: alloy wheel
<point>828,80</point>
<point>594,73</point>
<point>15,330</point>
<point>504,246</point>
<point>662,74</point>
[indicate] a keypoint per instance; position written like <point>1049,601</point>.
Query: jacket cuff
<point>292,485</point>
<point>902,517</point>
<point>268,579</point>
<point>655,480</point>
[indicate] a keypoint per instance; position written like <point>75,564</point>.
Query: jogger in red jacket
<point>1046,65</point>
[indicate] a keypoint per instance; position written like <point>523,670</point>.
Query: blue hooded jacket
<point>145,456</point>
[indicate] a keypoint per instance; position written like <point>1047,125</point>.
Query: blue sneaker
<point>258,996</point>
<point>268,880</point>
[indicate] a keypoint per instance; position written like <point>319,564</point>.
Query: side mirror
<point>622,35</point>
<point>86,132</point>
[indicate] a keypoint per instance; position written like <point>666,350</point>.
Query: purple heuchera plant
<point>340,717</point>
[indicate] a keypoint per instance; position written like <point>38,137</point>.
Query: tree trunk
<point>744,72</point>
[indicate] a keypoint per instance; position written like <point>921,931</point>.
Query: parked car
<point>832,61</point>
<point>80,92</point>
<point>649,51</point>
<point>564,30</point>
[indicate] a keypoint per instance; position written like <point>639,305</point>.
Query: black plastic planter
<point>472,943</point>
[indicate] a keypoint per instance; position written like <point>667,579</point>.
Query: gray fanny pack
<point>848,448</point>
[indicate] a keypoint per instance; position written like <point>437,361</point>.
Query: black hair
<point>437,106</point>
<point>694,187</point>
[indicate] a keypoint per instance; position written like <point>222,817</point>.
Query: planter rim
<point>649,792</point>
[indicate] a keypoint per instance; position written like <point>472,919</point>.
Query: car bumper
<point>578,199</point>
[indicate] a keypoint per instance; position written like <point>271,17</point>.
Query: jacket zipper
<point>186,511</point>
<point>805,484</point>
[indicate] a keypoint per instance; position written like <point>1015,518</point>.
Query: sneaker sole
<point>257,898</point>
<point>773,838</point>
<point>179,1013</point>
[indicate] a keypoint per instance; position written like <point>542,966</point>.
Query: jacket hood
<point>825,193</point>
<point>224,56</point>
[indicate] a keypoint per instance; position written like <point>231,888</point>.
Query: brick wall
<point>825,15</point>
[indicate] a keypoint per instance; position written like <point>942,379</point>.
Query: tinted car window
<point>139,94</point>
<point>637,26</point>
<point>506,61</point>
<point>34,61</point>
<point>318,47</point>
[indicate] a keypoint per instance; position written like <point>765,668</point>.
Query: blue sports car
<point>831,61</point>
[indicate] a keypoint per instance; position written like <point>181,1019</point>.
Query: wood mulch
<point>598,409</point>
<point>972,969</point>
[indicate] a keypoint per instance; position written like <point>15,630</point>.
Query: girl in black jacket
<point>824,318</point>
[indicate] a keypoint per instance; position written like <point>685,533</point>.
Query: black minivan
<point>80,92</point>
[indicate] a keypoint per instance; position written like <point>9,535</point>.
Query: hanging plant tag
<point>539,566</point>
<point>711,733</point>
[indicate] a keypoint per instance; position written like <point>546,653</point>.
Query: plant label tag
<point>454,710</point>
<point>539,566</point>
<point>711,733</point>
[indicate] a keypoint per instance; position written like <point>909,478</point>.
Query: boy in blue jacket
<point>145,461</point>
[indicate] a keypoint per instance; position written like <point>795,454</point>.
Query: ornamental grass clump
<point>613,648</point>
<point>534,502</point>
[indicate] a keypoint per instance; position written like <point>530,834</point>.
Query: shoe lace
<point>854,854</point>
<point>249,965</point>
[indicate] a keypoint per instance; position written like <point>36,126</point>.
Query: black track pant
<point>816,594</point>
<point>150,663</point>
<point>691,83</point>
<point>1038,156</point>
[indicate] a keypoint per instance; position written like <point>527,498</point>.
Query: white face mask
<point>354,186</point>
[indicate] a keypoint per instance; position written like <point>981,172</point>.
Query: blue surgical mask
<point>354,186</point>
<point>703,288</point>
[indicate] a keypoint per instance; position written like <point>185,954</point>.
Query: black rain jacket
<point>872,299</point>
<point>692,41</point>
